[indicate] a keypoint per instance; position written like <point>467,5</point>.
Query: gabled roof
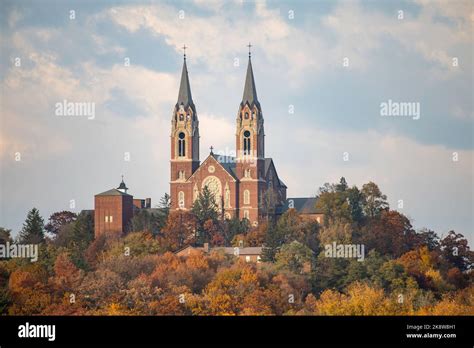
<point>268,164</point>
<point>250,91</point>
<point>184,96</point>
<point>113,192</point>
<point>227,162</point>
<point>303,205</point>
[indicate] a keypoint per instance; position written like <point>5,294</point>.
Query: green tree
<point>455,250</point>
<point>205,210</point>
<point>374,201</point>
<point>342,186</point>
<point>356,200</point>
<point>294,257</point>
<point>33,228</point>
<point>273,242</point>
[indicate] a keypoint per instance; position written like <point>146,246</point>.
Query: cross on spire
<point>212,148</point>
<point>184,50</point>
<point>249,46</point>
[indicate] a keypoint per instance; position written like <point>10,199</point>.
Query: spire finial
<point>249,46</point>
<point>212,148</point>
<point>184,51</point>
<point>122,177</point>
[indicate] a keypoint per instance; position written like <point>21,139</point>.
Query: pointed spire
<point>184,96</point>
<point>250,91</point>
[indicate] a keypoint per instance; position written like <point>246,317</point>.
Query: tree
<point>5,235</point>
<point>179,231</point>
<point>391,233</point>
<point>76,236</point>
<point>58,220</point>
<point>145,221</point>
<point>165,204</point>
<point>273,241</point>
<point>429,238</point>
<point>234,227</point>
<point>295,257</point>
<point>204,209</point>
<point>342,186</point>
<point>456,251</point>
<point>335,206</point>
<point>33,228</point>
<point>374,200</point>
<point>356,200</point>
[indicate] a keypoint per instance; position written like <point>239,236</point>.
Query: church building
<point>244,186</point>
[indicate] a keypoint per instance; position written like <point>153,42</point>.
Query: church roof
<point>250,91</point>
<point>227,162</point>
<point>184,95</point>
<point>303,205</point>
<point>268,163</point>
<point>113,192</point>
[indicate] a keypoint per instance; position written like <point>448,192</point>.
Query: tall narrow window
<point>246,214</point>
<point>181,199</point>
<point>247,143</point>
<point>246,197</point>
<point>181,145</point>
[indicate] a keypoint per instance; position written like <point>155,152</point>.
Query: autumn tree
<point>390,233</point>
<point>58,220</point>
<point>455,250</point>
<point>5,235</point>
<point>179,231</point>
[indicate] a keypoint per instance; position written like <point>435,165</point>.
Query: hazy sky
<point>420,55</point>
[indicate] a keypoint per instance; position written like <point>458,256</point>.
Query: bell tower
<point>250,150</point>
<point>184,141</point>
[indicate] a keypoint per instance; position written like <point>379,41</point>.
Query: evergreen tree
<point>165,204</point>
<point>205,210</point>
<point>342,186</point>
<point>355,203</point>
<point>33,228</point>
<point>273,242</point>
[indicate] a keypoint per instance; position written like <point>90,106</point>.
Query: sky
<point>322,70</point>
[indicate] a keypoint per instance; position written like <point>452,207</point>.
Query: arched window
<point>246,142</point>
<point>181,145</point>
<point>246,116</point>
<point>181,117</point>
<point>247,173</point>
<point>181,199</point>
<point>246,215</point>
<point>246,197</point>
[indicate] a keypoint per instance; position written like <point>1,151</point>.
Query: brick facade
<point>244,186</point>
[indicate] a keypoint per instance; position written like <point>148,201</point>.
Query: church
<point>244,186</point>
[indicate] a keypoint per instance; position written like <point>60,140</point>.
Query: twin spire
<point>250,91</point>
<point>184,96</point>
